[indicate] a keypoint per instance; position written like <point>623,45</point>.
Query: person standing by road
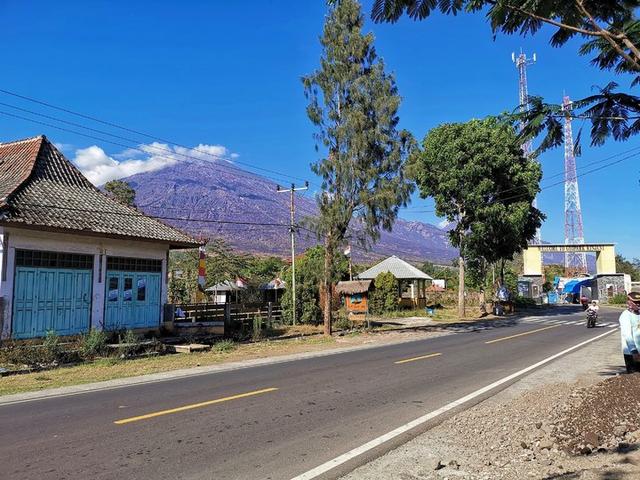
<point>630,333</point>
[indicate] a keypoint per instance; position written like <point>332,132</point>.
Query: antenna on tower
<point>574,262</point>
<point>522,62</point>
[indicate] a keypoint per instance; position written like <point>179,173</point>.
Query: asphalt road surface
<point>275,421</point>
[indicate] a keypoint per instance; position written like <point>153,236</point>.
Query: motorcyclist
<point>629,332</point>
<point>593,307</point>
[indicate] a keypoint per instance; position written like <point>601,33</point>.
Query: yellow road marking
<point>520,334</point>
<point>422,357</point>
<point>192,406</point>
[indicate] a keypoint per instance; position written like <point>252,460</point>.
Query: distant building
<point>412,281</point>
<point>72,258</point>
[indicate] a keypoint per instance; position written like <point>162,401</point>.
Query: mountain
<point>220,192</point>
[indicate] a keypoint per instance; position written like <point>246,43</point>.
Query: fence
<point>234,315</point>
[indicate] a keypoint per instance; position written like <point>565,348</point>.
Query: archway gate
<point>604,284</point>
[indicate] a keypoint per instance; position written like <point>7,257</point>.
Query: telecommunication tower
<point>574,263</point>
<point>522,62</point>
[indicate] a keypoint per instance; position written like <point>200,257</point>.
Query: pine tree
<point>354,105</point>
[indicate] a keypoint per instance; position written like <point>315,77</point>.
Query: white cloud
<point>99,167</point>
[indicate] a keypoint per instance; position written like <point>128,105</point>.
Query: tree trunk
<point>502,273</point>
<point>483,303</point>
<point>461,309</point>
<point>328,262</point>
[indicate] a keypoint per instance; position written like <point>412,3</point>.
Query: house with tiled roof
<point>71,257</point>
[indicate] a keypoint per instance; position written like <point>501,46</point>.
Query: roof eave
<point>172,244</point>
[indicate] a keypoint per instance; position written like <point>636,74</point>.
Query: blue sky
<point>226,75</point>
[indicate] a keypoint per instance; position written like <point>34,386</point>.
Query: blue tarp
<point>573,286</point>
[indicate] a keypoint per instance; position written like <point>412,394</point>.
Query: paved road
<point>275,421</point>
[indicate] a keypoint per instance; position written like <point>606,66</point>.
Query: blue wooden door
<point>132,300</point>
<point>57,299</point>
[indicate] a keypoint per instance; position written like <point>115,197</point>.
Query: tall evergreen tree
<point>354,105</point>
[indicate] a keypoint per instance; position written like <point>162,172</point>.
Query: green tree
<point>309,276</point>
<point>552,271</point>
<point>121,191</point>
<point>630,267</point>
<point>609,32</point>
<point>446,273</point>
<point>472,171</point>
<point>354,105</point>
<point>384,298</point>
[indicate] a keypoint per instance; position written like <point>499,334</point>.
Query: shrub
<point>224,346</point>
<point>51,348</point>
<point>93,344</point>
<point>256,332</point>
<point>342,321</point>
<point>524,302</point>
<point>128,343</point>
<point>618,299</point>
<point>384,298</point>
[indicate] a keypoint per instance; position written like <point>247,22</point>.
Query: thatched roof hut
<point>353,287</point>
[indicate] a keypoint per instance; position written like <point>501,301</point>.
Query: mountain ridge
<point>207,194</point>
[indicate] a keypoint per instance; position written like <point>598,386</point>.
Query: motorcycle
<point>592,317</point>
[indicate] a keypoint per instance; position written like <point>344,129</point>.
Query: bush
<point>524,302</point>
<point>128,343</point>
<point>256,332</point>
<point>342,321</point>
<point>224,346</point>
<point>93,344</point>
<point>34,355</point>
<point>51,348</point>
<point>618,299</point>
<point>384,298</point>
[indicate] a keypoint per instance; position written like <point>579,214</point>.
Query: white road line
<point>376,442</point>
<point>575,322</point>
<point>611,325</point>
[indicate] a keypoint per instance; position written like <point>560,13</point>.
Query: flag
<point>202,274</point>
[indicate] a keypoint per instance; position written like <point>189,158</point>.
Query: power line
<point>130,130</point>
<point>140,214</point>
<point>130,147</point>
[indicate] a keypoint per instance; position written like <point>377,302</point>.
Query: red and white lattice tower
<point>522,62</point>
<point>574,263</point>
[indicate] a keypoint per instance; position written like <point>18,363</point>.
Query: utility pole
<point>292,230</point>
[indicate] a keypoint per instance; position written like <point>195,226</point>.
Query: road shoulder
<point>510,435</point>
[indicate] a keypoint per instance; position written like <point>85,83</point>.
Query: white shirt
<point>629,332</point>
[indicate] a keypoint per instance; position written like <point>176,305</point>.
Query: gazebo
<point>412,281</point>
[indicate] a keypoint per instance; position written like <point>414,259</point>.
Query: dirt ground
<point>573,419</point>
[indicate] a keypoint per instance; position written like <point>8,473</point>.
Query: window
<point>142,289</point>
<point>127,264</point>
<point>37,258</point>
<point>128,289</point>
<point>113,289</point>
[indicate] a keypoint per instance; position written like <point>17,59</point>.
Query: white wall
<point>98,246</point>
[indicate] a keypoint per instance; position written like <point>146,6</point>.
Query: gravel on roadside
<point>539,428</point>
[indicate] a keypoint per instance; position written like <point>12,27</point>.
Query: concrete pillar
<point>8,263</point>
<point>532,259</point>
<point>606,261</point>
<point>99,290</point>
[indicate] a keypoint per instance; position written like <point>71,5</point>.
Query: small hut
<point>412,281</point>
<point>355,294</point>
